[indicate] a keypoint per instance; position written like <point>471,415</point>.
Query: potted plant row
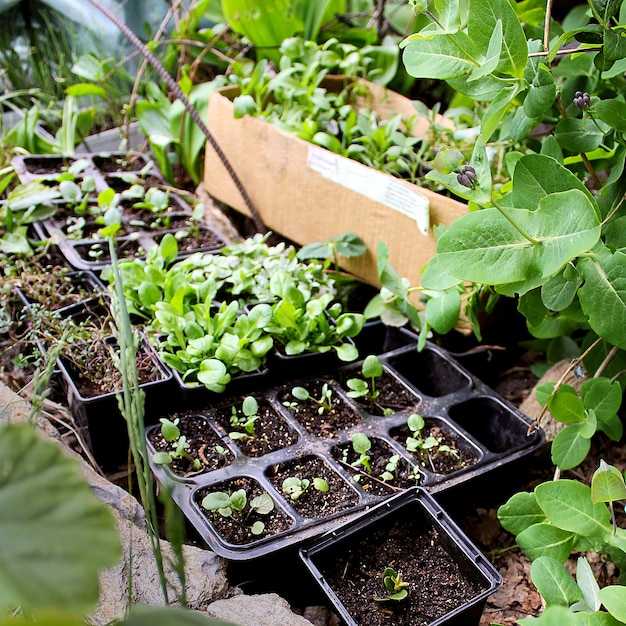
<point>263,471</point>
<point>92,197</point>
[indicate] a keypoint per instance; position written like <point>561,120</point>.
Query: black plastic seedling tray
<point>487,426</point>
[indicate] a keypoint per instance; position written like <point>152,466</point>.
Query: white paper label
<point>372,184</point>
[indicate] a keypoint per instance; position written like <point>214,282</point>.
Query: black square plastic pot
<point>409,533</point>
<point>100,417</point>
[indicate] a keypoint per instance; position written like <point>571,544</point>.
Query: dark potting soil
<point>440,462</point>
<point>326,424</point>
<point>271,431</point>
<point>232,529</point>
<point>380,454</point>
<point>133,163</point>
<point>392,394</point>
<point>204,238</point>
<point>314,503</point>
<point>49,165</point>
<point>436,582</point>
<point>94,374</point>
<point>204,444</point>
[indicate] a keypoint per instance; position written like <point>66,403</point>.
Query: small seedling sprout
<point>295,487</point>
<point>245,422</point>
<point>324,402</point>
<point>171,433</point>
<point>234,504</point>
<point>394,585</point>
<point>371,369</point>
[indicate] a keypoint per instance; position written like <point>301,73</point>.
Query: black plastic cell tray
<point>488,424</point>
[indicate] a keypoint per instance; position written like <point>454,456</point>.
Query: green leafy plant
<point>296,487</point>
<point>347,245</point>
<point>244,423</point>
<point>302,394</point>
<point>428,447</point>
<point>395,587</point>
<point>180,445</point>
<point>235,505</point>
<point>361,444</point>
<point>371,369</point>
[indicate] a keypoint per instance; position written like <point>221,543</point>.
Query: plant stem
<point>518,228</point>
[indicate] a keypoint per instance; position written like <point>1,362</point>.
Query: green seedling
<point>361,444</point>
<point>236,506</point>
<point>180,450</point>
<point>244,423</point>
<point>429,446</point>
<point>296,487</point>
<point>394,585</point>
<point>371,369</point>
<point>324,402</point>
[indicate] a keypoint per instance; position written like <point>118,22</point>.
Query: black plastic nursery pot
<point>447,578</point>
<point>99,415</point>
<point>487,432</point>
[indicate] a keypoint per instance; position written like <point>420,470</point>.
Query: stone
<point>256,610</point>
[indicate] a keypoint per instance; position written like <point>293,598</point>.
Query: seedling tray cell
<point>488,433</point>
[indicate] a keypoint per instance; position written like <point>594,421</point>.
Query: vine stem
<point>517,227</point>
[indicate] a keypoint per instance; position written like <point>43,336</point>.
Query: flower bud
<point>464,179</point>
<point>448,160</point>
<point>418,6</point>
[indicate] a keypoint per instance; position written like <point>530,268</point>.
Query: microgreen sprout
<point>295,487</point>
<point>371,369</point>
<point>234,504</point>
<point>180,450</point>
<point>429,446</point>
<point>361,445</point>
<point>244,422</point>
<point>394,585</point>
<point>324,401</point>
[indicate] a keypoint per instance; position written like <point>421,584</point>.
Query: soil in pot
<point>266,430</point>
<point>98,252</point>
<point>129,163</point>
<point>313,502</point>
<point>93,372</point>
<point>393,396</point>
<point>436,582</point>
<point>336,415</point>
<point>55,287</point>
<point>202,238</point>
<point>47,165</point>
<point>446,452</point>
<point>204,444</point>
<point>236,529</point>
<point>388,472</point>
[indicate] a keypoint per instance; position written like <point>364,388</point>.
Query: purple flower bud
<point>464,179</point>
<point>586,99</point>
<point>470,172</point>
<point>582,100</point>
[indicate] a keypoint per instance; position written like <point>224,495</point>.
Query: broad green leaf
<point>442,311</point>
<point>568,505</point>
<point>56,536</point>
<point>545,539</point>
<point>484,247</point>
<point>442,57</point>
<point>613,113</point>
<point>483,18</point>
<point>603,295</point>
<point>607,486</point>
<point>491,58</point>
<point>578,135</point>
<point>555,584</point>
<point>520,512</point>
<point>552,616</point>
<point>541,94</point>
<point>570,446</point>
<point>566,406</point>
<point>558,292</point>
<point>602,395</point>
<point>587,584</point>
<point>613,597</point>
<point>537,176</point>
<point>496,110</point>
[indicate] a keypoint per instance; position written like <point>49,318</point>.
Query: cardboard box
<point>308,194</point>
